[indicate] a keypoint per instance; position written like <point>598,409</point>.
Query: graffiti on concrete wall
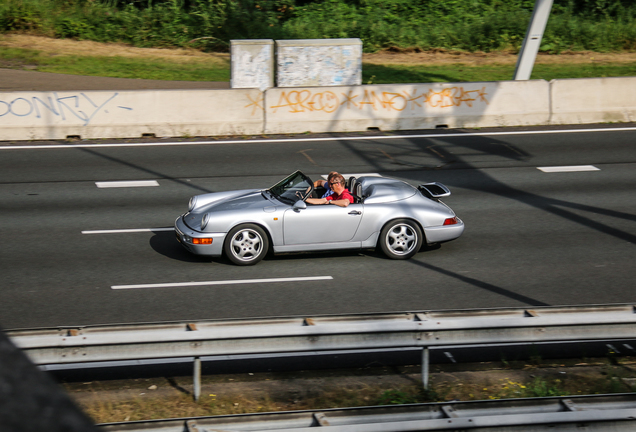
<point>307,101</point>
<point>78,106</point>
<point>255,104</point>
<point>319,65</point>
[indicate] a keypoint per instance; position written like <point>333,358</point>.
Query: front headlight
<point>192,203</point>
<point>204,221</point>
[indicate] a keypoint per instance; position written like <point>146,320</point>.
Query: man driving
<point>324,184</point>
<point>340,197</point>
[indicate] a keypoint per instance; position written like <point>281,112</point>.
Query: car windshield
<point>294,187</point>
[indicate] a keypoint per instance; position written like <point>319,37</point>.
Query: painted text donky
<point>303,101</point>
<point>79,106</point>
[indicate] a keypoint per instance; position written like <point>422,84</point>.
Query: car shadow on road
<point>291,256</point>
<point>165,243</point>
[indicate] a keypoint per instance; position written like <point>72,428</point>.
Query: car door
<point>321,224</point>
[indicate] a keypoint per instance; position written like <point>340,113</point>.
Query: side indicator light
<point>451,221</point>
<point>203,241</point>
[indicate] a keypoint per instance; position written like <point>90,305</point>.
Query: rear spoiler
<point>434,190</point>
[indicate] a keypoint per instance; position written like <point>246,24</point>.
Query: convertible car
<point>387,213</point>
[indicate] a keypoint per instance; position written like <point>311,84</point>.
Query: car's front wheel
<point>246,244</point>
<point>401,239</point>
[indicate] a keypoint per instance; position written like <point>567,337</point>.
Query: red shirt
<point>344,195</point>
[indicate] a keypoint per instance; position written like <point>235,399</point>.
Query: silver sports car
<point>387,213</point>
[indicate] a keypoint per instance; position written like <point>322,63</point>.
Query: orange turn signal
<point>202,241</point>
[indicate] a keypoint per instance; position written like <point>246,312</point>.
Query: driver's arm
<point>316,200</point>
<point>341,202</point>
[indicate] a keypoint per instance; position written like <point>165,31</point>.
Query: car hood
<point>232,201</point>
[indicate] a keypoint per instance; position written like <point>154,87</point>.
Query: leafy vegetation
<point>467,25</point>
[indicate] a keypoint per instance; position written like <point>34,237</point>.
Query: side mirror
<point>299,205</point>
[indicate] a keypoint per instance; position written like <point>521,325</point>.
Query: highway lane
<point>510,147</point>
<point>532,238</point>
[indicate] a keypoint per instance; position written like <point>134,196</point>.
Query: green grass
<point>592,70</point>
<point>17,57</point>
<point>377,74</point>
<point>116,67</point>
<point>119,67</point>
<point>143,68</point>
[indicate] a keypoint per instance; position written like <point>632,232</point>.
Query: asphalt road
<point>532,237</point>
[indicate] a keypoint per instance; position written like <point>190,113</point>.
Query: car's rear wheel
<point>401,239</point>
<point>246,244</point>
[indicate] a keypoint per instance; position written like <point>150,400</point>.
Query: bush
<point>17,15</point>
<point>467,25</point>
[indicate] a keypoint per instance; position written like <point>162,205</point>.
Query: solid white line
<point>120,231</point>
<point>226,282</point>
<point>573,168</point>
<point>124,184</point>
<point>297,140</point>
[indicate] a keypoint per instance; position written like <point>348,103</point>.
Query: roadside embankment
<point>171,397</point>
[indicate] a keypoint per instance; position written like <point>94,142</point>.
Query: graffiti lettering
<point>391,103</point>
<point>256,104</point>
<point>349,100</point>
<point>79,106</point>
<point>454,96</point>
<point>302,101</point>
<point>305,101</point>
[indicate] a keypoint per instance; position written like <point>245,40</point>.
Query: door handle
<point>355,212</point>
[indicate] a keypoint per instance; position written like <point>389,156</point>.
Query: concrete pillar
<point>252,63</point>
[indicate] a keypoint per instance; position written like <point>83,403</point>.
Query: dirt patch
<point>441,57</point>
<point>69,47</point>
<point>170,397</point>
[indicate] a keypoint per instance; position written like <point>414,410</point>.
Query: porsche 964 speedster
<point>387,213</point>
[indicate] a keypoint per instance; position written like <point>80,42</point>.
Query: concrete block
<point>404,107</point>
<point>318,62</point>
<point>252,63</point>
<point>130,114</point>
<point>593,100</point>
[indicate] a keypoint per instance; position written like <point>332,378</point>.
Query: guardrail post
<point>425,362</point>
<point>197,378</point>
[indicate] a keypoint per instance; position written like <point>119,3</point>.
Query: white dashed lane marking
<point>120,231</point>
<point>125,184</point>
<point>222,282</point>
<point>573,168</point>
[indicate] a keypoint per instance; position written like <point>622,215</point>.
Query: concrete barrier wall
<point>401,107</point>
<point>130,114</point>
<point>178,113</point>
<point>593,100</point>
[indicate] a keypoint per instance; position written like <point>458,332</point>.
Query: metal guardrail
<point>576,413</point>
<point>421,330</point>
<point>278,335</point>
